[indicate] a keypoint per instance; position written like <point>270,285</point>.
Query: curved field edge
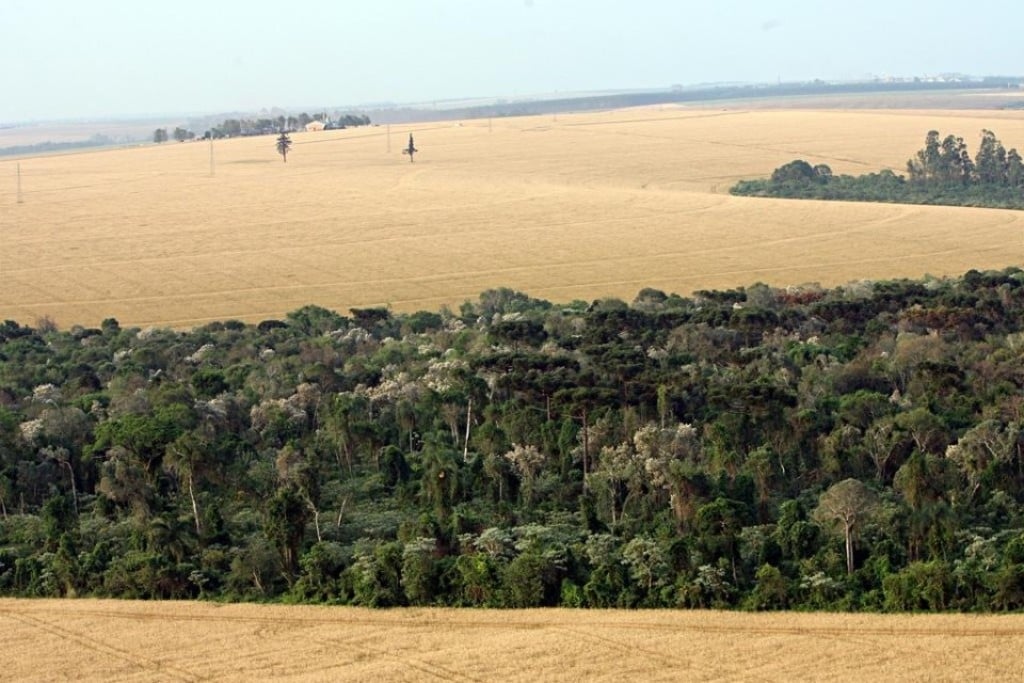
<point>93,640</point>
<point>583,207</point>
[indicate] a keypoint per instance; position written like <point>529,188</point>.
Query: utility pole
<point>20,200</point>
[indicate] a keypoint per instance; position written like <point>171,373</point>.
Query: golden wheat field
<point>573,206</point>
<point>98,640</point>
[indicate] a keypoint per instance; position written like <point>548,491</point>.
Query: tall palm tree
<point>184,459</point>
<point>440,483</point>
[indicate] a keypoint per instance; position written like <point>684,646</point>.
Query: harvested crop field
<point>98,640</point>
<point>562,207</point>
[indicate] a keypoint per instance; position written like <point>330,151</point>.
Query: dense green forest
<point>858,448</point>
<point>942,172</point>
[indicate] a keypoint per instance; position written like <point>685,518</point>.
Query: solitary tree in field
<point>411,149</point>
<point>160,135</point>
<point>284,144</point>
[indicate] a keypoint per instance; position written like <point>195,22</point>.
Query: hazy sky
<point>89,58</point>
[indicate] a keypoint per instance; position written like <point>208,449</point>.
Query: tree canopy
<point>942,172</point>
<point>856,448</point>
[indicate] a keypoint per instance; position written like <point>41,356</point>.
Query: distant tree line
<point>230,128</point>
<point>942,172</point>
<point>859,448</point>
<point>98,140</point>
<point>180,134</point>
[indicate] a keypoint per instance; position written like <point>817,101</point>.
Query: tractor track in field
<point>249,642</point>
<point>102,647</point>
<point>427,619</point>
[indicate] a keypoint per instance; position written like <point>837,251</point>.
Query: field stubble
<point>578,206</point>
<point>98,640</point>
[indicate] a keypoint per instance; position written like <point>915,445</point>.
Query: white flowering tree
<point>527,462</point>
<point>672,459</point>
<point>844,508</point>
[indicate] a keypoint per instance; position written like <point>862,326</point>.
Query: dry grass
<point>578,206</point>
<point>90,640</point>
